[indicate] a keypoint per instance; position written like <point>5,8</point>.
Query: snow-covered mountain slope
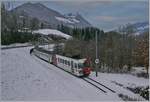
<point>78,20</point>
<point>47,16</point>
<point>141,27</point>
<point>138,28</point>
<point>52,32</point>
<point>64,20</point>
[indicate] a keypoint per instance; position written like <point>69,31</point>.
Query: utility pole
<point>96,60</point>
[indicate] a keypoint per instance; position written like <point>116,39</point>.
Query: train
<point>78,67</point>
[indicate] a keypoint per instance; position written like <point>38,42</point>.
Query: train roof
<point>79,60</point>
<point>82,60</point>
<point>76,57</point>
<point>44,50</point>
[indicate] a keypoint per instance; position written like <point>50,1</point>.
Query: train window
<point>60,60</point>
<point>68,63</point>
<point>87,64</point>
<point>75,65</point>
<point>80,65</point>
<point>63,61</point>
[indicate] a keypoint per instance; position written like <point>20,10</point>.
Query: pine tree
<point>142,51</point>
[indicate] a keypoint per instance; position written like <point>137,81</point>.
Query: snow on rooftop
<point>52,32</point>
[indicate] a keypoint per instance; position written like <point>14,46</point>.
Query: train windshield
<point>86,64</point>
<point>80,65</point>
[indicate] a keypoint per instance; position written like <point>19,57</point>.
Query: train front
<point>86,67</point>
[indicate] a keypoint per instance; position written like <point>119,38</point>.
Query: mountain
<point>48,16</point>
<point>77,20</point>
<point>141,27</point>
<point>137,28</point>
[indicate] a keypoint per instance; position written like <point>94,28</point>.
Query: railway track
<point>91,81</point>
<point>98,85</point>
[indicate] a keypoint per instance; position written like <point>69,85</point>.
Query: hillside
<point>49,17</point>
<point>141,27</point>
<point>137,28</point>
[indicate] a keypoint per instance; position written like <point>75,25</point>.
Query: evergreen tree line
<point>17,37</point>
<point>17,29</point>
<point>85,34</point>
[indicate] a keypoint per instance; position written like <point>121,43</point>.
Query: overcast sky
<point>105,15</point>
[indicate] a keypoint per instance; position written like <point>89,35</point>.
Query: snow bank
<point>136,70</point>
<point>16,45</point>
<point>119,82</point>
<point>52,32</point>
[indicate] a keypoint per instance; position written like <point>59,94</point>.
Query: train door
<point>54,60</point>
<point>72,70</point>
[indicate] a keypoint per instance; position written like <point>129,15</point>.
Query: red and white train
<point>78,67</point>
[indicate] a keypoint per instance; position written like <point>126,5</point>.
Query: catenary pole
<point>96,55</point>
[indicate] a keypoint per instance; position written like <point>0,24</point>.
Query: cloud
<point>114,18</point>
<point>105,18</point>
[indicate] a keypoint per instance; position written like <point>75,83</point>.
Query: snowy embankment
<point>15,45</point>
<point>25,77</point>
<point>120,82</point>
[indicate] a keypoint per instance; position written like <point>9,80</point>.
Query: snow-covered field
<point>25,77</point>
<point>15,45</point>
<point>120,82</point>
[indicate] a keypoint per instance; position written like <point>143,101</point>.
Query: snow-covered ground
<point>120,82</point>
<point>136,70</point>
<point>25,77</point>
<point>15,45</point>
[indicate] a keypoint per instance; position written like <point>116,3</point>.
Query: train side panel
<point>74,66</point>
<point>69,64</point>
<point>42,55</point>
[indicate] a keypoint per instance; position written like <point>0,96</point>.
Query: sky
<point>106,14</point>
